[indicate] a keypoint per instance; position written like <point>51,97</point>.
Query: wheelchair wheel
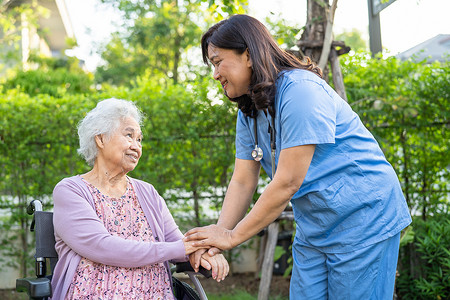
<point>184,291</point>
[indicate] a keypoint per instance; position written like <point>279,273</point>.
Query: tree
<point>405,106</point>
<point>285,34</point>
<point>159,35</point>
<point>188,138</point>
<point>353,39</point>
<point>53,76</point>
<point>155,43</point>
<point>13,19</point>
<point>317,42</point>
<point>37,150</point>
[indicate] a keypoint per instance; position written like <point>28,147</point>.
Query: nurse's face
<point>231,69</point>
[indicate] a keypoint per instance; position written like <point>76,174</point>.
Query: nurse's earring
<point>257,153</point>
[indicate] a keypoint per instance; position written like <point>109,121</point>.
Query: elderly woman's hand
<point>195,257</point>
<point>217,264</point>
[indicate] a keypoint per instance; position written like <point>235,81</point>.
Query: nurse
<point>348,204</point>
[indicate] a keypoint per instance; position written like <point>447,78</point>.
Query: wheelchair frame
<point>39,287</point>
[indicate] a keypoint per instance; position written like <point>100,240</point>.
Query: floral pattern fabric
<point>122,217</point>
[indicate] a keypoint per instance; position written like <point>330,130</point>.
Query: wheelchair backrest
<point>45,241</point>
<point>45,237</point>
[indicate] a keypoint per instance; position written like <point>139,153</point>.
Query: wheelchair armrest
<point>183,267</point>
<point>36,288</point>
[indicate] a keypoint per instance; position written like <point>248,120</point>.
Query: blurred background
<point>389,59</point>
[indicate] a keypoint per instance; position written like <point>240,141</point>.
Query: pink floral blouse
<point>125,218</point>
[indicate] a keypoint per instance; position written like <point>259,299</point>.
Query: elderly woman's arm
<point>78,226</point>
<point>217,264</point>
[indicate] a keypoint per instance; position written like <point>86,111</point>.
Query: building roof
<point>58,23</point>
<point>434,49</point>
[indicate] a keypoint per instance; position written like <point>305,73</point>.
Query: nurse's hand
<point>210,236</point>
<point>189,247</point>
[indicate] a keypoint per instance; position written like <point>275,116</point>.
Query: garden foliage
<point>406,107</point>
<point>54,77</point>
<point>188,151</point>
<point>188,138</point>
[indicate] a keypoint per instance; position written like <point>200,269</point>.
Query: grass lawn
<point>241,295</point>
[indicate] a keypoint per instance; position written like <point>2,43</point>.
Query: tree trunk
<point>196,206</point>
<point>267,265</point>
<point>328,39</point>
<point>23,236</point>
<point>176,59</point>
<point>338,79</point>
<point>314,32</point>
<point>317,42</point>
<point>403,139</point>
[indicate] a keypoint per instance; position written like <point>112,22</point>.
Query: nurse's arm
<point>237,200</point>
<point>292,166</point>
<point>240,192</point>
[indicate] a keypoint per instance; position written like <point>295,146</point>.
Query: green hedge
<point>187,147</point>
<point>189,141</point>
<point>37,149</point>
<point>406,106</point>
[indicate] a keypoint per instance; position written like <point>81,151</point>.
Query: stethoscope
<point>257,153</point>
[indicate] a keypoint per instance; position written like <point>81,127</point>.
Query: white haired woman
<point>114,234</point>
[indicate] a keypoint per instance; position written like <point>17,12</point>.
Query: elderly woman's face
<point>123,149</point>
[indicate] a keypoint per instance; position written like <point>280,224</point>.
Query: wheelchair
<point>39,287</point>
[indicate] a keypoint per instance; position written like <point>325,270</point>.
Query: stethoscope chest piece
<point>257,153</point>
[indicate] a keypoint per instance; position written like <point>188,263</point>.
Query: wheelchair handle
<point>41,267</point>
<point>35,205</point>
<point>184,267</point>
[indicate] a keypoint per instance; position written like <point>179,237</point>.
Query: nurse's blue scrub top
<point>351,196</point>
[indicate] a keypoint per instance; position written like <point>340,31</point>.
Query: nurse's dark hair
<point>242,32</point>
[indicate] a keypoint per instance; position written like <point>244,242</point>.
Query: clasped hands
<point>204,246</point>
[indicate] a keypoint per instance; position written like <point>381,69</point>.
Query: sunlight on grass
<point>234,295</point>
<point>241,295</point>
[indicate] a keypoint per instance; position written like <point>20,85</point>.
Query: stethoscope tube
<point>257,152</point>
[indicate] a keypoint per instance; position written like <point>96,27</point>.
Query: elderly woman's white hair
<point>104,119</point>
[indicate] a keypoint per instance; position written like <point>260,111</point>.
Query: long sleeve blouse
<point>80,233</point>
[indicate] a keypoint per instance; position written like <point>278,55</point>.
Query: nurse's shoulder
<point>298,75</point>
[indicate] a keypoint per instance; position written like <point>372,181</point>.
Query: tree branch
<point>328,36</point>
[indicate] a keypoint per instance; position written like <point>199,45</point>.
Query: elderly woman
<point>114,234</point>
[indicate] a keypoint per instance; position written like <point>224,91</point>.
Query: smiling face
<point>122,150</point>
<point>233,70</point>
